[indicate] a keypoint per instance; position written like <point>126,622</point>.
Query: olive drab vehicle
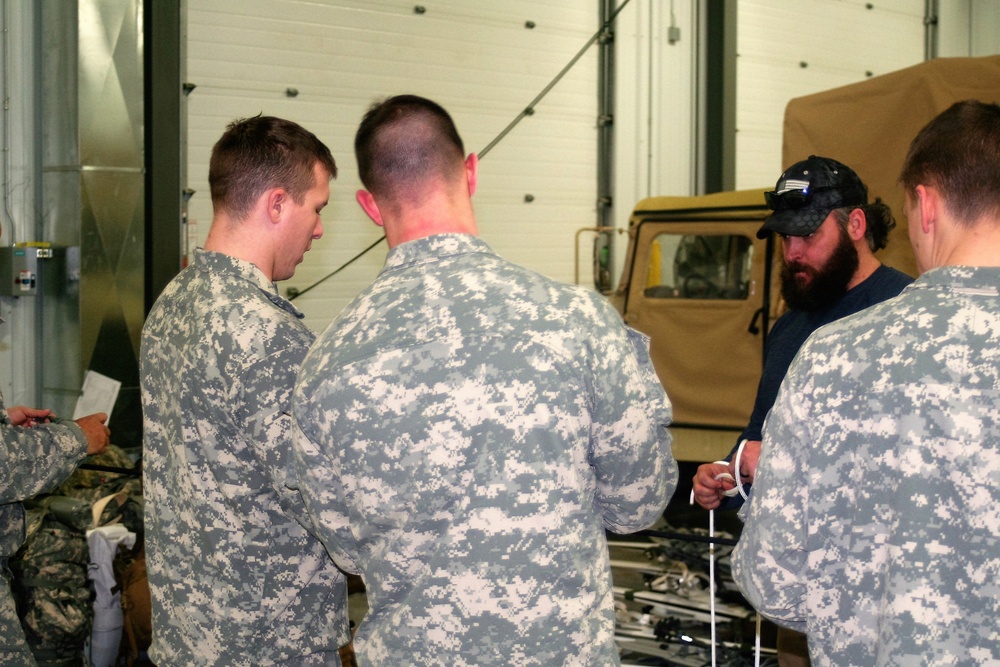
<point>698,281</point>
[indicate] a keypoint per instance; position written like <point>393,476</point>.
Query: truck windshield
<point>686,266</point>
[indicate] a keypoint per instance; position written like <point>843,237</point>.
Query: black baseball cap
<point>806,193</point>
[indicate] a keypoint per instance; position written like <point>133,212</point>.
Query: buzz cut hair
<point>958,153</point>
<point>402,142</point>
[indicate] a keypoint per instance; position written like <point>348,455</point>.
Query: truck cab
<point>699,282</point>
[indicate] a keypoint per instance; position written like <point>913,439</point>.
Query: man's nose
<point>793,247</point>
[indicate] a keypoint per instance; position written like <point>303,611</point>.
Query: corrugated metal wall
<point>790,48</point>
<point>483,61</point>
<point>968,28</point>
<point>92,191</point>
<point>656,116</point>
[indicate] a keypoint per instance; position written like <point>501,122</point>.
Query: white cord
<point>711,551</point>
<point>736,466</point>
<point>756,661</point>
<point>739,488</point>
<point>711,574</point>
<point>711,577</point>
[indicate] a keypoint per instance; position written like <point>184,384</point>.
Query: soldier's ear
<point>927,200</point>
<point>276,201</point>
<point>367,202</point>
<point>472,172</point>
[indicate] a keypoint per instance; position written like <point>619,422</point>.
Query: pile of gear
<point>59,579</point>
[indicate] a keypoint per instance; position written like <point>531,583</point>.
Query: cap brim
<point>794,222</point>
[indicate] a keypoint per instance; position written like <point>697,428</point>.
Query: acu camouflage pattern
<point>874,522</point>
<point>93,485</point>
<point>50,582</point>
<point>32,460</point>
<point>465,432</point>
<point>234,578</point>
<point>51,587</point>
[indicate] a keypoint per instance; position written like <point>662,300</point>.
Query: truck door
<point>700,288</point>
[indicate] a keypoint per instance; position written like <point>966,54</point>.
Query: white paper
<point>99,395</point>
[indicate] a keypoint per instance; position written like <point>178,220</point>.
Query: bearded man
<point>829,234</point>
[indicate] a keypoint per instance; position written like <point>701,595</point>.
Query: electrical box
<point>24,268</point>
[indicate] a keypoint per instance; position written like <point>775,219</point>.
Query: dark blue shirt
<point>791,331</point>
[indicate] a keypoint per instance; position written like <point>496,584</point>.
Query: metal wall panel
<point>481,61</point>
<point>656,132</point>
<point>968,28</point>
<point>93,199</point>
<point>789,48</point>
<point>984,28</point>
<point>18,372</point>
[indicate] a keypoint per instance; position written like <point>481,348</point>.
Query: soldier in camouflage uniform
<point>234,577</point>
<point>466,429</point>
<point>38,453</point>
<point>874,525</point>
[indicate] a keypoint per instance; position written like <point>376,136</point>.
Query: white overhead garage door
<point>322,62</point>
<point>791,48</point>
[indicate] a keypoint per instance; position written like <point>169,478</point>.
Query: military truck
<point>698,281</point>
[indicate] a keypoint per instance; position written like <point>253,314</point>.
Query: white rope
<point>711,550</point>
<point>756,645</point>
<point>738,480</point>
<point>736,467</point>
<point>711,577</point>
<point>711,574</point>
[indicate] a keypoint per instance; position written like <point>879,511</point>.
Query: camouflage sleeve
<point>325,498</point>
<point>630,444</point>
<point>769,562</point>
<point>33,460</point>
<point>263,409</point>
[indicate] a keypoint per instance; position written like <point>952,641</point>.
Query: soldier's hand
<point>98,435</point>
<point>21,415</point>
<point>709,491</point>
<point>749,458</point>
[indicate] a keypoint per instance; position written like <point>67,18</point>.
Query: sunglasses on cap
<point>793,198</point>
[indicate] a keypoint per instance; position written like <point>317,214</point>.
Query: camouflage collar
<point>979,279</point>
<point>435,247</point>
<point>217,262</point>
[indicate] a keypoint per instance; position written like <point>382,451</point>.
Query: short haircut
<point>257,154</point>
<point>404,141</point>
<point>958,153</point>
<point>878,222</point>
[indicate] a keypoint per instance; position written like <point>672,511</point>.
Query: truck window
<point>687,266</point>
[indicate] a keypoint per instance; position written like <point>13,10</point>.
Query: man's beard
<point>827,284</point>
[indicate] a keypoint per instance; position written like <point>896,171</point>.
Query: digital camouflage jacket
<point>874,523</point>
<point>466,430</point>
<point>234,577</point>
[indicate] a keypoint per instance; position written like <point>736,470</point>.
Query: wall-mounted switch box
<point>22,266</point>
